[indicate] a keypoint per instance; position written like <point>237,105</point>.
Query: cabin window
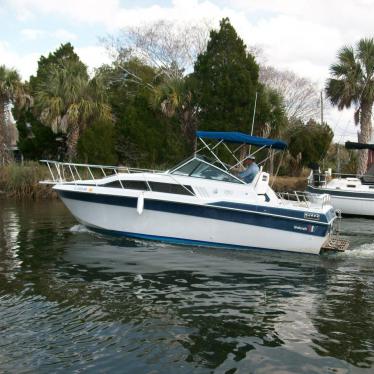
<point>131,185</point>
<point>171,188</point>
<point>135,185</point>
<point>114,184</point>
<point>351,185</point>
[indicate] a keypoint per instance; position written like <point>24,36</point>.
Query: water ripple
<point>71,300</point>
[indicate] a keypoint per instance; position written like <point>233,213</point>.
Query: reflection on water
<point>74,300</point>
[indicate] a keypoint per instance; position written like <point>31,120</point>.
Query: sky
<point>299,35</point>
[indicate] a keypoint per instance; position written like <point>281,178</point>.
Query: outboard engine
<point>317,178</point>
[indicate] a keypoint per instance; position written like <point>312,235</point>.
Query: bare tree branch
<point>168,46</point>
<point>301,96</point>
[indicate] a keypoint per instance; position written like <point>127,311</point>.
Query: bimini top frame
<point>223,137</point>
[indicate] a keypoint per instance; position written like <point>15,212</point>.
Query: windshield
<point>200,169</point>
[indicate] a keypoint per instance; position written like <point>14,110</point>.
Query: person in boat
<point>251,170</point>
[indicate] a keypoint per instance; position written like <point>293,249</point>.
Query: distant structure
<point>12,137</point>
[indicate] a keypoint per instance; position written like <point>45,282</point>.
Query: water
<point>73,301</point>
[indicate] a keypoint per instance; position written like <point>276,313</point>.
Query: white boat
<point>198,202</point>
<point>350,194</point>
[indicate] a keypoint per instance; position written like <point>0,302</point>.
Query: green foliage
<point>309,143</point>
<point>57,58</point>
<point>97,144</point>
<point>66,99</point>
<point>11,91</point>
<point>225,82</point>
<point>144,136</point>
<point>270,117</point>
<point>10,83</point>
<point>352,81</point>
<point>36,141</point>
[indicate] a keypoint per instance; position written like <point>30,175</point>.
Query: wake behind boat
<point>201,201</point>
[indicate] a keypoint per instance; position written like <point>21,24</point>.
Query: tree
<point>11,90</point>
<point>174,98</point>
<point>36,141</point>
<point>170,49</point>
<point>97,144</point>
<point>167,46</point>
<point>352,83</point>
<point>309,143</point>
<point>301,97</point>
<point>225,82</point>
<point>67,100</point>
<point>145,137</point>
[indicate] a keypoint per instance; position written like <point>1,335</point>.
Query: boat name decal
<point>314,216</point>
<point>308,228</point>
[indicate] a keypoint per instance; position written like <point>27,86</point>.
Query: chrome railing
<point>69,172</point>
<point>62,172</point>
<point>302,198</point>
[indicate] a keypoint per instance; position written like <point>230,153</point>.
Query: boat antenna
<point>254,112</point>
<point>253,118</point>
<point>323,160</point>
<point>321,107</point>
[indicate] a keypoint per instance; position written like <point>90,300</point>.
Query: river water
<point>75,301</point>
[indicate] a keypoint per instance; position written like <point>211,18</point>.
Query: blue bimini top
<point>239,137</point>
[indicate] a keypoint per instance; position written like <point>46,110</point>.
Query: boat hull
<point>186,227</point>
<point>349,203</point>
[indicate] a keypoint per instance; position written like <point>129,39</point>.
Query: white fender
<point>140,204</point>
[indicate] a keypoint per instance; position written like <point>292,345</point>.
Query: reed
<point>288,184</point>
<point>22,181</point>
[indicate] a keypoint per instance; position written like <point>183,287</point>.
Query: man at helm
<point>251,170</point>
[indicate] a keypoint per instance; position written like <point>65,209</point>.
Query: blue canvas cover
<point>239,137</point>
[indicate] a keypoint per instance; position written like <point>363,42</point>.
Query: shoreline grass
<point>22,181</point>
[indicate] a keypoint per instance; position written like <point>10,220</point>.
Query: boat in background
<point>201,201</point>
<point>350,194</point>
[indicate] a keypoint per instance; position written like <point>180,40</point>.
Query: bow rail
<point>70,172</point>
<point>65,172</point>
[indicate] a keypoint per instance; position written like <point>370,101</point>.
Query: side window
<point>114,184</point>
<point>171,188</point>
<point>135,185</point>
<point>131,185</point>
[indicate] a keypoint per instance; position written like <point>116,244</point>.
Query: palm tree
<point>352,82</point>
<point>174,99</point>
<point>11,90</point>
<point>68,100</point>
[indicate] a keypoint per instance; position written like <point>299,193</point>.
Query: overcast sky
<point>299,35</point>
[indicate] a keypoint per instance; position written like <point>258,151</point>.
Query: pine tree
<point>225,79</point>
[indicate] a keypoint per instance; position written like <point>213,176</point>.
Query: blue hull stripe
<point>271,210</point>
<point>208,211</point>
<point>171,240</point>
